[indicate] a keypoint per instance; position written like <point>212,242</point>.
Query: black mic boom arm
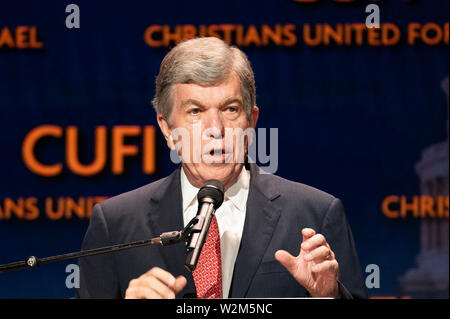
<point>165,239</point>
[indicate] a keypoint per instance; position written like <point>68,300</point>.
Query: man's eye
<point>232,109</point>
<point>194,111</point>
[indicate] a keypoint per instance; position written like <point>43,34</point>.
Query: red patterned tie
<point>208,273</point>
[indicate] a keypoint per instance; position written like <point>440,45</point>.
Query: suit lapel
<point>166,214</point>
<point>262,215</point>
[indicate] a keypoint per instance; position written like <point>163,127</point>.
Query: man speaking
<point>270,237</point>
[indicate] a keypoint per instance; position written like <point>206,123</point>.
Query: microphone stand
<point>165,239</point>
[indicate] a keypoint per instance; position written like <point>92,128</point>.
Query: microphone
<point>209,197</point>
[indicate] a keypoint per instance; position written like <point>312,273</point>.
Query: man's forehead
<point>200,95</point>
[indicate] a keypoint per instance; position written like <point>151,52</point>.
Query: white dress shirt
<point>230,218</point>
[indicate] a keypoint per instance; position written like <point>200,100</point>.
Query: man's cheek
<point>196,150</point>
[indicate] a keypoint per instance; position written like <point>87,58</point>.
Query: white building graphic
<point>431,276</point>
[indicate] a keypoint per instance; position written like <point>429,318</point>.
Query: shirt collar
<point>188,191</point>
<point>237,193</point>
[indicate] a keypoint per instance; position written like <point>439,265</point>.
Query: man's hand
<point>155,284</point>
<point>315,268</point>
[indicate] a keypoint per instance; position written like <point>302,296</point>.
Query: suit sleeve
<point>338,234</point>
<point>98,277</point>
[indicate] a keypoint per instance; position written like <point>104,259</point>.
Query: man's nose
<point>214,124</point>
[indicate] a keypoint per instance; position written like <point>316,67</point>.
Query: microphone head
<point>212,189</point>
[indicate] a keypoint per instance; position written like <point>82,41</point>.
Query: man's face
<point>211,116</point>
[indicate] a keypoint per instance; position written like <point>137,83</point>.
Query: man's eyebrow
<point>232,100</point>
<point>195,102</point>
<point>191,102</point>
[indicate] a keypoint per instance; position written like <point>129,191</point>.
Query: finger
<point>326,266</point>
<point>332,255</point>
<point>319,254</point>
<point>158,286</point>
<point>140,292</point>
<point>166,277</point>
<point>313,242</point>
<point>154,284</point>
<point>287,260</point>
<point>307,233</point>
<point>180,283</point>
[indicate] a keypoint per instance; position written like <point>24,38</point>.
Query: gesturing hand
<point>315,268</point>
<point>155,284</point>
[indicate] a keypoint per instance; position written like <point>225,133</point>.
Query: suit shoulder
<point>131,202</point>
<point>301,194</point>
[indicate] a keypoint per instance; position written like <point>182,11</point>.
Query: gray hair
<point>204,61</point>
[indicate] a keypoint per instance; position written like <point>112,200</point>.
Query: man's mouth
<point>217,152</point>
<point>216,155</point>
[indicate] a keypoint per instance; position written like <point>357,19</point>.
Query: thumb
<point>307,233</point>
<point>180,283</point>
<point>287,260</point>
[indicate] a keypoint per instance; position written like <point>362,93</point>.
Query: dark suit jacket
<point>277,210</point>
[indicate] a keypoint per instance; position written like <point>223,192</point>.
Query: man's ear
<point>254,118</point>
<point>165,129</point>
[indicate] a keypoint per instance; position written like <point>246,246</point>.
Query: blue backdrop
<point>352,120</point>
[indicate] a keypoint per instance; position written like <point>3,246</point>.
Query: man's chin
<point>223,172</point>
